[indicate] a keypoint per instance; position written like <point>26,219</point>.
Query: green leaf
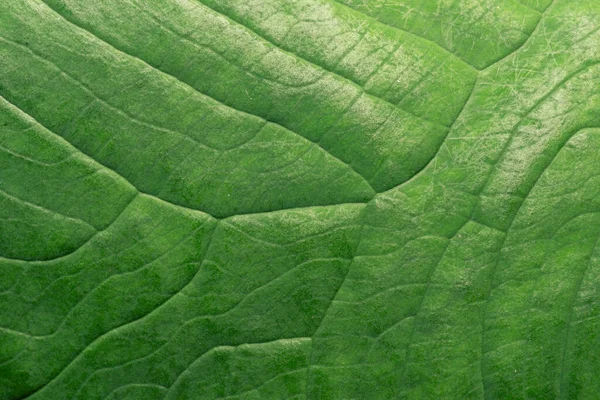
<point>312,199</point>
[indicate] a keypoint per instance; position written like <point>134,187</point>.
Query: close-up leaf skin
<point>299,199</point>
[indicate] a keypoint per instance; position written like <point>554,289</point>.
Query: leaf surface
<point>313,199</point>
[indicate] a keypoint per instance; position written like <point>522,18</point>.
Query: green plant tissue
<point>299,199</point>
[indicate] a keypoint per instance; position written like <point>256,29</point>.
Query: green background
<point>299,199</point>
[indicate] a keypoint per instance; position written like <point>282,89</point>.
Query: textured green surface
<point>310,199</point>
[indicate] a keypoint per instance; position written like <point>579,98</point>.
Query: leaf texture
<point>311,199</point>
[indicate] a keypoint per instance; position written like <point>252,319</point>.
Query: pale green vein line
<point>529,7</point>
<point>405,32</point>
<point>232,347</point>
<point>538,102</point>
<point>147,356</point>
<point>245,69</point>
<point>134,385</point>
<point>112,277</point>
<point>337,292</point>
<point>269,283</point>
<point>15,357</point>
<point>171,203</point>
<point>495,266</point>
<point>46,210</point>
<point>93,94</point>
<point>341,116</point>
<point>430,162</point>
<point>63,256</point>
<point>419,310</point>
<point>129,323</point>
<point>288,51</point>
<point>38,123</point>
<point>87,295</point>
<point>533,32</point>
<point>568,331</point>
<point>255,389</point>
<point>16,333</point>
<point>106,42</point>
<point>31,160</point>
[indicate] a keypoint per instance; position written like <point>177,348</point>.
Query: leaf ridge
<point>395,28</point>
<point>128,323</point>
<point>320,324</point>
<point>450,129</point>
<point>316,65</point>
<point>47,211</point>
<point>567,336</point>
<point>156,197</point>
<point>501,247</point>
<point>537,26</point>
<point>234,347</point>
<point>186,85</point>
